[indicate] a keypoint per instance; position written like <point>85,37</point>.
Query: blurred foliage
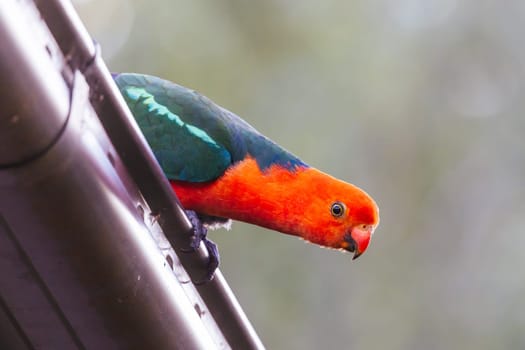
<point>418,102</point>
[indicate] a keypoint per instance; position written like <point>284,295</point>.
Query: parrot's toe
<point>213,259</point>
<point>199,231</point>
<point>199,235</point>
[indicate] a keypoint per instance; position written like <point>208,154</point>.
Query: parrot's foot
<point>199,235</point>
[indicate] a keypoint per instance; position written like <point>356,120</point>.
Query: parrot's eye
<point>337,209</point>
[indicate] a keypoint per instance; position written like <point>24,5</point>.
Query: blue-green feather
<point>193,138</point>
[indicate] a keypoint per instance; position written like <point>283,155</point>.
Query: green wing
<point>163,111</point>
<point>194,139</point>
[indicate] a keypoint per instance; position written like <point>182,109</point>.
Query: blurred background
<point>418,102</point>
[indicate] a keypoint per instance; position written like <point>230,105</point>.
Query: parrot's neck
<point>275,198</point>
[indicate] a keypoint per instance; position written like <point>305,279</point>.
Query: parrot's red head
<point>304,202</point>
<point>351,231</point>
<point>339,215</point>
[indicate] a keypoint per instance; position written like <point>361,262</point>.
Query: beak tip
<point>359,239</point>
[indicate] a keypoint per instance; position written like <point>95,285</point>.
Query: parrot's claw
<point>199,235</point>
<point>214,258</point>
<point>199,231</point>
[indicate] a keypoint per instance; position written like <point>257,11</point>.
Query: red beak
<point>361,236</point>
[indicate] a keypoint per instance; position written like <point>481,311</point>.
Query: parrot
<point>222,169</point>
